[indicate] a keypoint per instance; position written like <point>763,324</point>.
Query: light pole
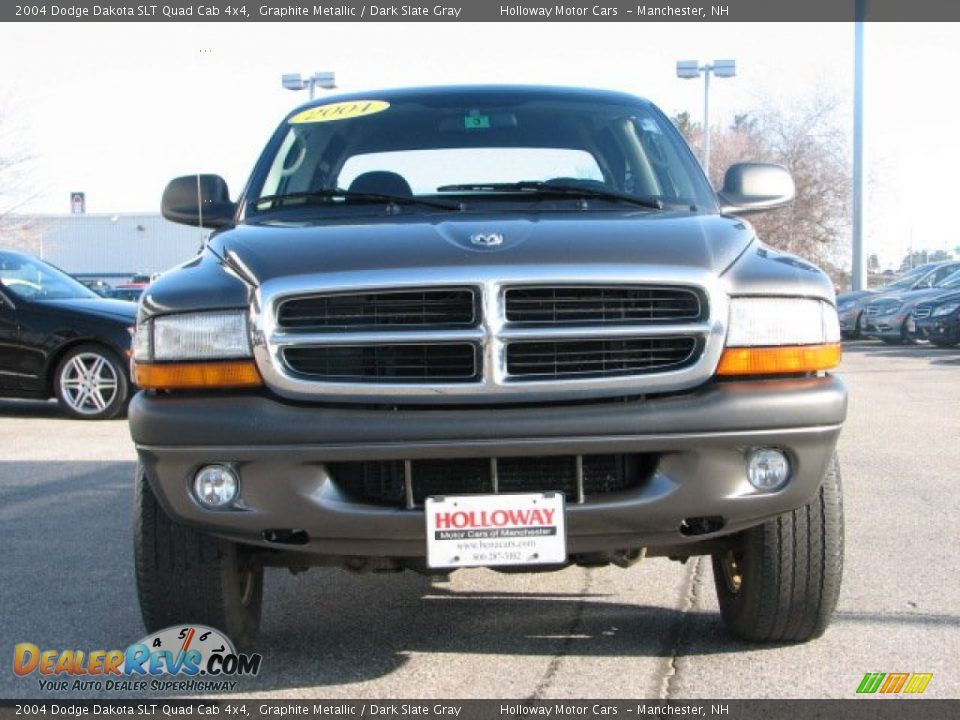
<point>295,81</point>
<point>860,278</point>
<point>689,69</point>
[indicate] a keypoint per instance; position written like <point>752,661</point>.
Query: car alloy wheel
<point>89,383</point>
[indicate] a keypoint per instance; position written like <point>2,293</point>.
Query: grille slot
<point>436,308</point>
<point>567,359</point>
<point>402,363</point>
<point>922,311</point>
<point>383,482</point>
<point>602,305</point>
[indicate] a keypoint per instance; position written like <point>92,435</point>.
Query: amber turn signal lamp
<point>779,360</point>
<point>193,375</point>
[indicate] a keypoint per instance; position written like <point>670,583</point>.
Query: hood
<point>908,299</point>
<point>912,298</point>
<point>951,295</point>
<point>100,307</point>
<point>855,295</point>
<point>700,242</point>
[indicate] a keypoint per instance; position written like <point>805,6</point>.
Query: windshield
<point>950,281</point>
<point>910,278</point>
<point>31,279</point>
<point>475,147</point>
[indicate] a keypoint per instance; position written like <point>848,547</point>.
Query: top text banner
<point>483,11</point>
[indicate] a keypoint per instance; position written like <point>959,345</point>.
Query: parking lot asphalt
<point>66,579</point>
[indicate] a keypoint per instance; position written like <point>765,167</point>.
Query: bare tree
<point>16,187</point>
<point>810,143</point>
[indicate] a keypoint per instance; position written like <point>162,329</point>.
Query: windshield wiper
<point>329,193</point>
<point>539,187</point>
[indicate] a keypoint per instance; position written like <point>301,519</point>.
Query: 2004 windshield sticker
<point>340,111</point>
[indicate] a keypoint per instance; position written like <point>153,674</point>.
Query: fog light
<point>215,486</point>
<point>767,469</point>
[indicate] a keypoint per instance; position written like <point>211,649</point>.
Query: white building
<point>108,246</point>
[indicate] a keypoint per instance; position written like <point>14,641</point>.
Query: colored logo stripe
<point>918,683</point>
<point>871,682</point>
<point>893,683</point>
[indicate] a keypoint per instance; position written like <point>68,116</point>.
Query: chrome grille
<point>478,334</point>
<point>922,311</point>
<point>598,358</point>
<point>602,305</point>
<point>436,308</point>
<point>881,308</point>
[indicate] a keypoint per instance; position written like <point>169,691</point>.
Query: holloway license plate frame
<point>497,529</point>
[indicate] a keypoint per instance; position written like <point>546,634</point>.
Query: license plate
<point>911,326</point>
<point>489,530</point>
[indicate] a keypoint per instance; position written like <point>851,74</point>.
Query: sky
<point>117,109</point>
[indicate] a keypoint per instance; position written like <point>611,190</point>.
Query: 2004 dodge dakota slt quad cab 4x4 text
<point>510,327</point>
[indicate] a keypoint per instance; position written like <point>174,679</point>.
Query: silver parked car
<point>888,318</point>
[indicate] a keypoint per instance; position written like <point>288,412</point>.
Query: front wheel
<point>779,582</point>
<point>905,337</point>
<point>90,383</point>
<point>857,331</point>
<point>186,576</point>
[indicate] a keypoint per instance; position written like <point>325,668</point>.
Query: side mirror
<point>202,200</point>
<point>755,187</point>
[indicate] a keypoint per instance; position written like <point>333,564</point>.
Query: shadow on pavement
<point>66,581</point>
<point>869,348</point>
<point>31,409</point>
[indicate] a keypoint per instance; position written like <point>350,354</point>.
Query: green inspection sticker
<point>476,122</point>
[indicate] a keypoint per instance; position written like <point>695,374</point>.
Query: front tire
<point>186,576</point>
<point>90,383</point>
<point>905,337</point>
<point>779,582</point>
<point>857,331</point>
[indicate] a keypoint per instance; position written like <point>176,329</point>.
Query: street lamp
<point>295,81</point>
<point>689,69</point>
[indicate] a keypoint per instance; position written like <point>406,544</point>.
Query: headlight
<point>770,336</point>
<point>196,336</point>
<point>781,321</point>
<point>946,309</point>
<point>193,350</point>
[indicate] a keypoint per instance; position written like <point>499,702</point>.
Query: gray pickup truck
<point>506,327</point>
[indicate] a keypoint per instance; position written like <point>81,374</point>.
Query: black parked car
<point>60,339</point>
<point>938,320</point>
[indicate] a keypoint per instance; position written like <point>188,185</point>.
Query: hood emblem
<point>487,239</point>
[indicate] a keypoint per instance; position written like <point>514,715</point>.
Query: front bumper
<point>892,327</point>
<point>942,329</point>
<point>279,450</point>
